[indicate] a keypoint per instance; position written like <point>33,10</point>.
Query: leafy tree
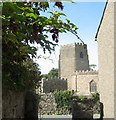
<point>52,73</point>
<point>92,66</point>
<point>23,25</point>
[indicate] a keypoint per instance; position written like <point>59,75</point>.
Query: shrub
<point>95,97</point>
<point>64,99</point>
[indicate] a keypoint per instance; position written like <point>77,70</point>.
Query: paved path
<point>59,117</point>
<point>55,117</point>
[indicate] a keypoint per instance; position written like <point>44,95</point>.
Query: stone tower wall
<point>81,63</point>
<point>70,59</point>
<point>67,60</point>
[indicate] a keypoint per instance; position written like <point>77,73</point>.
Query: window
<point>93,86</point>
<point>81,55</point>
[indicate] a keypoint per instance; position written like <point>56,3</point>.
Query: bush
<point>64,99</point>
<point>95,97</point>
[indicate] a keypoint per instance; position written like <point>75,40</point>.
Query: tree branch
<point>76,36</point>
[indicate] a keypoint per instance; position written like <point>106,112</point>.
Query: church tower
<point>73,57</point>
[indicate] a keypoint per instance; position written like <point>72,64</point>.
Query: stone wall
<point>19,104</point>
<point>106,54</point>
<point>13,104</point>
<point>81,57</point>
<point>48,105</point>
<point>115,59</point>
<point>70,59</point>
<point>85,108</point>
<point>53,84</point>
<point>80,81</point>
<point>31,105</point>
<point>67,60</point>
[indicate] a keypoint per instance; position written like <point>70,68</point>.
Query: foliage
<point>52,73</point>
<point>58,114</point>
<point>23,25</point>
<point>92,66</point>
<point>63,99</point>
<point>22,76</point>
<point>82,98</point>
<point>95,97</point>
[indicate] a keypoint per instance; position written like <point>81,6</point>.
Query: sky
<point>86,16</point>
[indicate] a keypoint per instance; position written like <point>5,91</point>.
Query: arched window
<point>81,55</point>
<point>93,86</point>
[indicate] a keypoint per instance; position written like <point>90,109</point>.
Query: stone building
<point>74,66</point>
<point>106,37</point>
<point>74,72</point>
<point>73,57</point>
<point>84,82</point>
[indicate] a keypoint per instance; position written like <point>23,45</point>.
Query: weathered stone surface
<point>48,106</point>
<point>85,109</point>
<point>13,104</point>
<point>106,38</point>
<point>31,105</point>
<point>53,84</point>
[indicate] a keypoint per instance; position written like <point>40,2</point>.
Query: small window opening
<point>81,55</point>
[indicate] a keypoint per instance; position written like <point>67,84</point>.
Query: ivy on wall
<point>64,99</point>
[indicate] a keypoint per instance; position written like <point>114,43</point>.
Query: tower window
<point>93,86</point>
<point>81,55</point>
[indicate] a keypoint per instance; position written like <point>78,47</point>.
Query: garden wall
<point>48,106</point>
<point>81,106</point>
<point>16,104</point>
<point>13,104</point>
<point>84,107</point>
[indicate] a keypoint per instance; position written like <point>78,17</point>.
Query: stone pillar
<point>31,106</point>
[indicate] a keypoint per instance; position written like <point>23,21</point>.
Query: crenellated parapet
<point>53,84</point>
<point>80,44</point>
<point>74,44</point>
<point>54,79</point>
<point>86,72</point>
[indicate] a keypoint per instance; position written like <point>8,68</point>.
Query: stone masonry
<point>106,37</point>
<point>74,66</point>
<point>73,57</point>
<point>74,72</point>
<point>53,84</point>
<point>81,81</point>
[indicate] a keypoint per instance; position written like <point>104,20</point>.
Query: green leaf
<point>11,37</point>
<point>59,13</point>
<point>68,20</point>
<point>31,15</point>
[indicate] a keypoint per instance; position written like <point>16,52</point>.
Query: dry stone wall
<point>48,105</point>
